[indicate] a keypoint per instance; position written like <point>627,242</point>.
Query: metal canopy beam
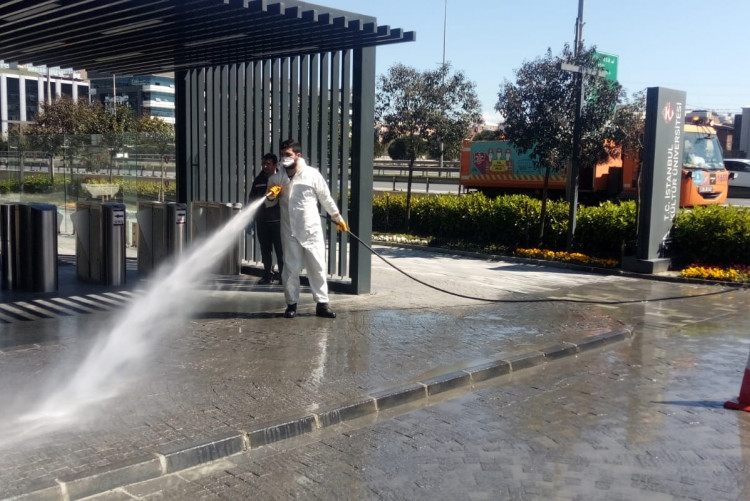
<point>156,36</point>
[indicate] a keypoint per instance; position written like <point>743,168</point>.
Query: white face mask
<point>288,162</point>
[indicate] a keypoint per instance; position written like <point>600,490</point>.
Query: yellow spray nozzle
<point>273,192</point>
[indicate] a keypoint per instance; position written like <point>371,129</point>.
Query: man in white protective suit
<point>299,187</point>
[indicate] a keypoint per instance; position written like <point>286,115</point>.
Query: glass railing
<point>64,169</point>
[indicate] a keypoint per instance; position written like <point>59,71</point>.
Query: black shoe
<point>291,311</point>
<point>323,310</point>
<point>277,277</point>
<point>264,281</point>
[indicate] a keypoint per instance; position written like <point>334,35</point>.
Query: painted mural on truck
<point>494,161</point>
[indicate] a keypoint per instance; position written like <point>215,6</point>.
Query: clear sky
<point>701,47</point>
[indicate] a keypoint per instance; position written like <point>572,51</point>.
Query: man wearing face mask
<point>302,187</point>
<point>267,221</point>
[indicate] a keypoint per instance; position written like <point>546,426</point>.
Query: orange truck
<point>496,167</point>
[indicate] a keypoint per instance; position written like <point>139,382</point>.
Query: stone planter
<point>103,191</point>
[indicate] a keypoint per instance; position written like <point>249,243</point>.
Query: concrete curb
<point>183,456</point>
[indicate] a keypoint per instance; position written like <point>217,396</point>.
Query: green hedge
<point>713,235</point>
<point>709,235</point>
<point>509,221</point>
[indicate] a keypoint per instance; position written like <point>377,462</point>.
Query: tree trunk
<point>52,169</point>
<point>21,168</point>
<point>161,186</point>
<point>543,213</point>
<point>408,193</point>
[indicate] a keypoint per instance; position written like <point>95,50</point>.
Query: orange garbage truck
<point>496,167</point>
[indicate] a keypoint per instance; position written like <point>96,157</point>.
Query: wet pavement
<point>640,420</point>
<point>238,375</point>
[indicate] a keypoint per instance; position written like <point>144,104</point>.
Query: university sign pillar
<point>660,180</point>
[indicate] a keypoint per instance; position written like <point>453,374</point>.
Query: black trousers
<point>269,236</point>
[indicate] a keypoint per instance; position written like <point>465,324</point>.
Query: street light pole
<point>445,24</point>
<point>575,163</point>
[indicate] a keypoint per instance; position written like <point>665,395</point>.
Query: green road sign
<point>608,62</point>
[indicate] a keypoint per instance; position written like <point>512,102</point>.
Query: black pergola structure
<point>248,74</point>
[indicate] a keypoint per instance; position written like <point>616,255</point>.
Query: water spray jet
<point>114,358</point>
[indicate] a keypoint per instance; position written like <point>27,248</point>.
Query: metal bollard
<point>29,247</point>
<point>162,232</point>
<point>39,240</point>
<point>10,246</point>
<point>206,218</point>
<point>100,242</point>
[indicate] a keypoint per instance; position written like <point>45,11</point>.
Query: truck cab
<point>705,179</point>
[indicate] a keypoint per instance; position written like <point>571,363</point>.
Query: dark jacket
<point>259,190</point>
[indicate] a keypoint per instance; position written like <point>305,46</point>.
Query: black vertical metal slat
<point>294,102</point>
<point>235,194</point>
<point>225,166</point>
<point>266,107</point>
<point>304,103</point>
<point>312,152</point>
<point>206,140</point>
<point>215,131</point>
<point>260,113</point>
<point>321,160</point>
<point>363,119</point>
<point>242,160</point>
<point>196,137</point>
<point>257,115</point>
<point>275,82</point>
<point>333,174</point>
<point>183,120</point>
<point>346,103</point>
<point>210,126</point>
<point>250,119</point>
<point>284,101</point>
<point>244,150</point>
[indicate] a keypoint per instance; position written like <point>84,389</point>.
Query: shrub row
<point>711,235</point>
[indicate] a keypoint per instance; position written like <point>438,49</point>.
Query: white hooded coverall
<point>302,238</point>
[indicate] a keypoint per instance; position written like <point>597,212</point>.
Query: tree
<point>489,135</point>
<point>398,149</point>
<point>629,123</point>
<point>423,108</point>
<point>628,127</point>
<point>378,147</point>
<point>96,134</point>
<point>58,125</point>
<point>539,112</point>
<point>161,136</point>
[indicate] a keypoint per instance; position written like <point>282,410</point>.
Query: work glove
<point>273,192</point>
<point>342,226</point>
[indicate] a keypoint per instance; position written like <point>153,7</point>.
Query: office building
<point>149,95</point>
<point>23,89</point>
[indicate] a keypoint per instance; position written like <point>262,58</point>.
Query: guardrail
<point>423,168</point>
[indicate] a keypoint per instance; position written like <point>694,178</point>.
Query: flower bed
<point>567,257</point>
<point>733,274</point>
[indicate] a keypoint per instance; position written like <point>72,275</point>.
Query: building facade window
<point>32,99</point>
<point>14,99</point>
